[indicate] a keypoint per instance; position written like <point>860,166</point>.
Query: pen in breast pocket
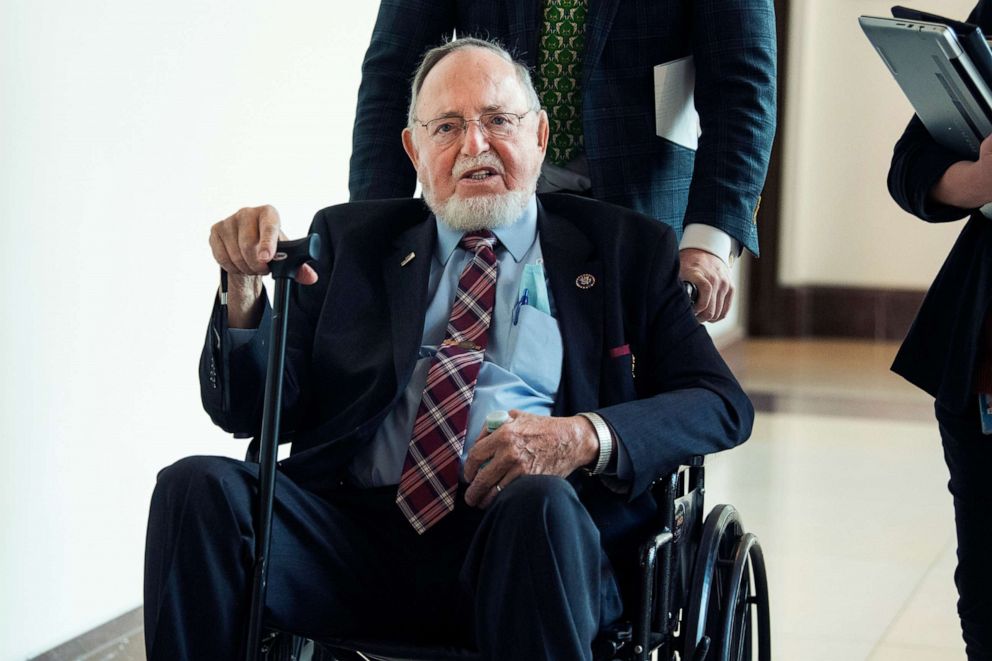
<point>524,300</point>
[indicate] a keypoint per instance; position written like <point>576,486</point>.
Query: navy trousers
<point>968,453</point>
<point>525,579</point>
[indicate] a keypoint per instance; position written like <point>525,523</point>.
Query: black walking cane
<point>289,257</point>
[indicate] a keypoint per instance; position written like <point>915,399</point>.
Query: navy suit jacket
<point>940,351</point>
<point>354,338</point>
<point>732,41</point>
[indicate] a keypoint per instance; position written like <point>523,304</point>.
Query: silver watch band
<point>605,437</point>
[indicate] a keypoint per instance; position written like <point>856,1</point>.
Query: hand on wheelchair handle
<point>691,291</point>
<point>711,277</point>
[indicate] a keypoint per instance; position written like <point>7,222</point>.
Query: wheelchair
<point>702,583</point>
<point>703,595</point>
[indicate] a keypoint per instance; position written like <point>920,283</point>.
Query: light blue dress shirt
<point>523,360</point>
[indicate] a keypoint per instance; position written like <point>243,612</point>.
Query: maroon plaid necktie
<point>430,472</point>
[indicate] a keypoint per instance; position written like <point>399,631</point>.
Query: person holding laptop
<point>948,351</point>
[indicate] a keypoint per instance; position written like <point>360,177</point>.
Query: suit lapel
<point>406,279</point>
<point>577,288</point>
<point>599,20</point>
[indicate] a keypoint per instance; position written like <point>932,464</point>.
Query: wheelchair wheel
<point>702,630</point>
<point>747,601</point>
<point>729,595</point>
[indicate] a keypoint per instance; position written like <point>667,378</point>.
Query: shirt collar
<point>517,238</point>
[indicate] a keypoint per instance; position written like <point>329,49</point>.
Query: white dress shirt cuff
<point>715,241</point>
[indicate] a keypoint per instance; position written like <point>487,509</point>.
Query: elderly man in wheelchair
<point>403,517</point>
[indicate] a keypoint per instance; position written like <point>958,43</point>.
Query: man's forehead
<point>470,81</point>
<point>460,112</point>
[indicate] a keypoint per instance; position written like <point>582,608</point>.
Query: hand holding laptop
<point>939,75</point>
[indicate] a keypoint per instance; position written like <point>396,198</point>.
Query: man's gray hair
<point>435,55</point>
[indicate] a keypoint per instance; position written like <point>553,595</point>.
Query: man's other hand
<point>711,275</point>
<point>527,444</point>
<point>243,244</point>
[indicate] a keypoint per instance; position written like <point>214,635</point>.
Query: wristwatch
<point>605,437</point>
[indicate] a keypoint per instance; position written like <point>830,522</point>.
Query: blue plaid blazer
<point>733,42</point>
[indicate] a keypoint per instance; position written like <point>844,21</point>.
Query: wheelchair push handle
<point>691,291</point>
<point>290,256</point>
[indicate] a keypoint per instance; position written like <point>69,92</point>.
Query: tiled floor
<point>844,482</point>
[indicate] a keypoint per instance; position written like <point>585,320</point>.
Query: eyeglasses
<point>445,130</point>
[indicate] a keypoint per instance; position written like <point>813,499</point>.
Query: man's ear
<point>411,149</point>
<point>543,130</point>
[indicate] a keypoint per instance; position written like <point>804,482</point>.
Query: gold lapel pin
<point>408,259</point>
<point>585,281</point>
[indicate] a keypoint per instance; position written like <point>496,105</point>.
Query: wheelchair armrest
<point>650,548</point>
<point>649,580</point>
<point>679,499</point>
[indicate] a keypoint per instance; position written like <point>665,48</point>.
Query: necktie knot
<point>474,240</point>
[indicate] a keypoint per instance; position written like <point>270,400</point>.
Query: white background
<point>127,127</point>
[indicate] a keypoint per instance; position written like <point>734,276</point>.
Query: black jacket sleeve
<point>734,48</point>
<point>689,402</point>
<point>918,163</point>
<point>403,31</point>
<point>232,380</point>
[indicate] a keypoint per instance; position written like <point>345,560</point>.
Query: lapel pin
<point>408,259</point>
<point>585,281</point>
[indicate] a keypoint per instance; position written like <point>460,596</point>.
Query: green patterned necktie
<point>559,72</point>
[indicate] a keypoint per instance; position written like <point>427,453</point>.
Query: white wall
<point>127,127</point>
<point>844,114</point>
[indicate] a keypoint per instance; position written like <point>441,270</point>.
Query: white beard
<point>479,212</point>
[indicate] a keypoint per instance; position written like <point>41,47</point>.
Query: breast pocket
<point>536,350</point>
